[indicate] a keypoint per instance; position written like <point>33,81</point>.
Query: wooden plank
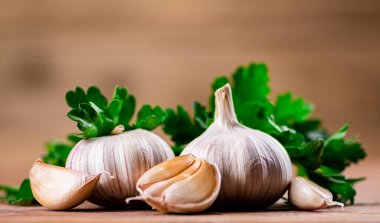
<point>358,213</point>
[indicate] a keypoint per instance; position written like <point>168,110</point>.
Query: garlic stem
<point>224,112</point>
<point>117,130</point>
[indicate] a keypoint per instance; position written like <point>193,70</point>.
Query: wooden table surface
<point>366,209</point>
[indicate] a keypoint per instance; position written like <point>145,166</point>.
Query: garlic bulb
<point>255,168</point>
<point>57,188</point>
<point>183,184</point>
<point>126,156</point>
<point>307,195</point>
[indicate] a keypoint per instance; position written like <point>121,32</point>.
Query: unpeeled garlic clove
<point>58,188</point>
<point>307,195</point>
<point>183,184</point>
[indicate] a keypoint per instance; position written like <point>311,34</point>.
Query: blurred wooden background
<point>167,53</point>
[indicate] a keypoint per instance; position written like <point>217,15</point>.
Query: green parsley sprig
<point>96,117</point>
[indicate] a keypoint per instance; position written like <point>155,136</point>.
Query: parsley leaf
<point>251,83</point>
<point>91,120</point>
<point>149,118</point>
<point>339,185</point>
<point>95,117</point>
<point>340,153</point>
<point>308,155</point>
<point>122,107</point>
<point>57,152</point>
<point>181,127</point>
<point>288,110</point>
<point>20,196</point>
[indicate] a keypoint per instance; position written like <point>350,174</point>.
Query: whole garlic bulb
<point>256,169</point>
<point>126,156</point>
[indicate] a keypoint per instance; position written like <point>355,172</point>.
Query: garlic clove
<point>160,173</point>
<point>194,190</point>
<point>157,188</point>
<point>307,195</point>
<point>58,188</point>
<point>189,186</point>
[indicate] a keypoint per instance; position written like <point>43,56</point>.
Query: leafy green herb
<point>96,117</point>
<point>181,128</point>
<point>21,196</point>
<point>288,110</point>
<point>318,155</point>
<point>340,153</point>
<point>341,186</point>
<point>149,118</point>
<point>57,152</point>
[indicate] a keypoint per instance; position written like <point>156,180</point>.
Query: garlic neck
<point>224,107</point>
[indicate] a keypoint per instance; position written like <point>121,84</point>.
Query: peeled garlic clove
<point>184,184</point>
<point>160,173</point>
<point>307,195</point>
<point>58,188</point>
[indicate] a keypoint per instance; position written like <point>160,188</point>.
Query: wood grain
<point>359,213</point>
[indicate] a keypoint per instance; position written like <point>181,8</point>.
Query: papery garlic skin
<point>256,169</point>
<point>125,156</point>
<point>307,195</point>
<point>57,188</point>
<point>184,184</point>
